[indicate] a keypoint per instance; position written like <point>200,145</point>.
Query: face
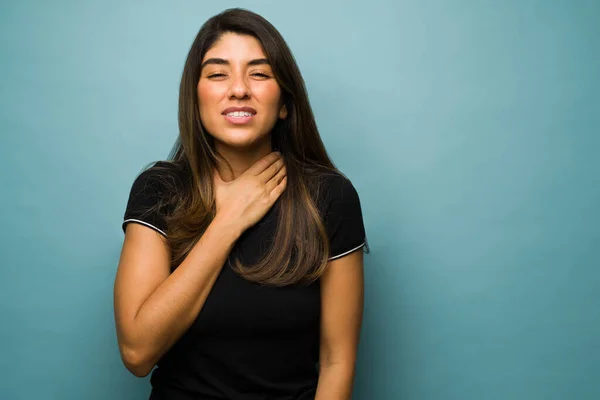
<point>238,95</point>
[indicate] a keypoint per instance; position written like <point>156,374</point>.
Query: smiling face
<point>238,95</point>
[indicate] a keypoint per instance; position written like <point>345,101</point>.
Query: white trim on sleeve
<point>347,252</point>
<point>146,224</point>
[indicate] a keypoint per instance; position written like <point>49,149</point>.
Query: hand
<point>247,199</point>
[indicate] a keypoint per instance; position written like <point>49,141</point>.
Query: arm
<point>341,317</point>
<point>153,308</point>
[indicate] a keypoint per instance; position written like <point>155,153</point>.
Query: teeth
<point>239,114</point>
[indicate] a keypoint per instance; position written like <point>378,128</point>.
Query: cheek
<point>270,95</point>
<point>208,95</point>
<point>202,93</point>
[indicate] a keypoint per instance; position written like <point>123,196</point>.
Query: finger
<point>275,193</point>
<point>273,170</point>
<point>276,179</point>
<point>263,163</point>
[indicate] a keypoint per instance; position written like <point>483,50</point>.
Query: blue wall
<point>471,130</point>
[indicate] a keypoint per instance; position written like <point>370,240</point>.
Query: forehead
<point>235,47</point>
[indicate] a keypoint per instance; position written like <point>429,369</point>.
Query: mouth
<point>239,115</point>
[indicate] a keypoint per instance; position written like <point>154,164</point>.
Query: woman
<point>240,275</point>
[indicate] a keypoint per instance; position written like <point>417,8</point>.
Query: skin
<point>342,297</point>
<point>154,307</point>
<point>236,73</point>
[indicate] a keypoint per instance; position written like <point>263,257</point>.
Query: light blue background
<point>471,130</point>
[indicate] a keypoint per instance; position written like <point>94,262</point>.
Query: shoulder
<point>160,178</point>
<point>153,194</point>
<point>336,188</point>
<point>342,214</point>
<point>158,171</point>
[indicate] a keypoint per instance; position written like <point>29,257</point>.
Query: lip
<point>239,120</point>
<point>233,109</point>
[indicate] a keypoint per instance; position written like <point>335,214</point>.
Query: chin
<point>241,140</point>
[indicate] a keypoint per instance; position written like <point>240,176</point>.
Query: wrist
<point>227,226</point>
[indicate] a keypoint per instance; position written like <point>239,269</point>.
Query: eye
<point>260,75</point>
<point>216,75</point>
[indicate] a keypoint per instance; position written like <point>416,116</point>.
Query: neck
<point>240,159</point>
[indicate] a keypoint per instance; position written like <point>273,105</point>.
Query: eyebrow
<point>222,61</point>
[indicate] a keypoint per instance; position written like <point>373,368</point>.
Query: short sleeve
<point>144,205</point>
<point>343,218</point>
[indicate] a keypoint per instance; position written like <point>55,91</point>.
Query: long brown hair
<point>300,247</point>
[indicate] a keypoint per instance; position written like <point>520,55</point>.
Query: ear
<point>283,112</point>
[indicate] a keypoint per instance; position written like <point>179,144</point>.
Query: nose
<point>239,88</point>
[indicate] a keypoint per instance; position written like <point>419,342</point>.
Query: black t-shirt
<point>250,341</point>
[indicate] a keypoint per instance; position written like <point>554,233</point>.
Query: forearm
<point>174,305</point>
<point>335,381</point>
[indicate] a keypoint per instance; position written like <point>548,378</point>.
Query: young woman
<point>241,273</point>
